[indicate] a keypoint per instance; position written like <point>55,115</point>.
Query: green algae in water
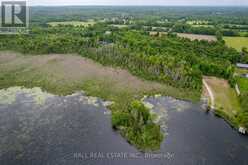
<point>8,96</point>
<point>159,114</point>
<point>90,100</point>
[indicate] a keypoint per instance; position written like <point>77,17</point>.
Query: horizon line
<point>64,5</point>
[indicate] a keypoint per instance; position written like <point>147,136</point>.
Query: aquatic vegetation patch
<point>159,115</point>
<point>8,96</point>
<point>148,105</point>
<point>107,103</point>
<point>89,100</point>
<point>174,104</point>
<point>182,106</point>
<point>159,107</point>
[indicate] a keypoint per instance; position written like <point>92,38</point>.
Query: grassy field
<point>237,42</point>
<point>243,84</point>
<point>225,97</point>
<point>74,23</point>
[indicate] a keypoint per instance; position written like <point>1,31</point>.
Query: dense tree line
<point>207,30</point>
<point>210,58</point>
<point>186,28</point>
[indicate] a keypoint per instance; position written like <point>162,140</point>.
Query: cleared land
<point>193,37</point>
<point>225,97</point>
<point>237,42</point>
<point>73,23</point>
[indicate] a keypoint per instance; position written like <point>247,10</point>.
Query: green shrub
<point>243,115</point>
<point>122,119</point>
<point>139,112</point>
<point>152,136</point>
<point>136,125</point>
<point>243,119</point>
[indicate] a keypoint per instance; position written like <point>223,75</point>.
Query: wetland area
<point>69,129</point>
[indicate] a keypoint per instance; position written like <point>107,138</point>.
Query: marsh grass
<point>108,87</point>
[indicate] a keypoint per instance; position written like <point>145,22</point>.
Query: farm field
<point>237,42</point>
<point>193,37</point>
<point>74,23</point>
<point>119,26</point>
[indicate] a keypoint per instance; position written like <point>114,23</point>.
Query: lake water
<point>76,130</point>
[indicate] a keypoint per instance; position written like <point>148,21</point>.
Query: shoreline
<point>95,86</point>
<point>214,87</point>
<point>65,74</point>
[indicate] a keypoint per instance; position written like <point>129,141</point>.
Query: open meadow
<point>237,42</point>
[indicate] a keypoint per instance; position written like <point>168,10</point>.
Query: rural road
<point>210,93</point>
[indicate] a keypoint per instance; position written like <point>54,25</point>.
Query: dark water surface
<point>67,131</point>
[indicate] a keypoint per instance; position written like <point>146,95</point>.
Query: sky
<point>143,2</point>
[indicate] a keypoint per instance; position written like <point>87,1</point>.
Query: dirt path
<point>223,96</point>
<point>210,94</point>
